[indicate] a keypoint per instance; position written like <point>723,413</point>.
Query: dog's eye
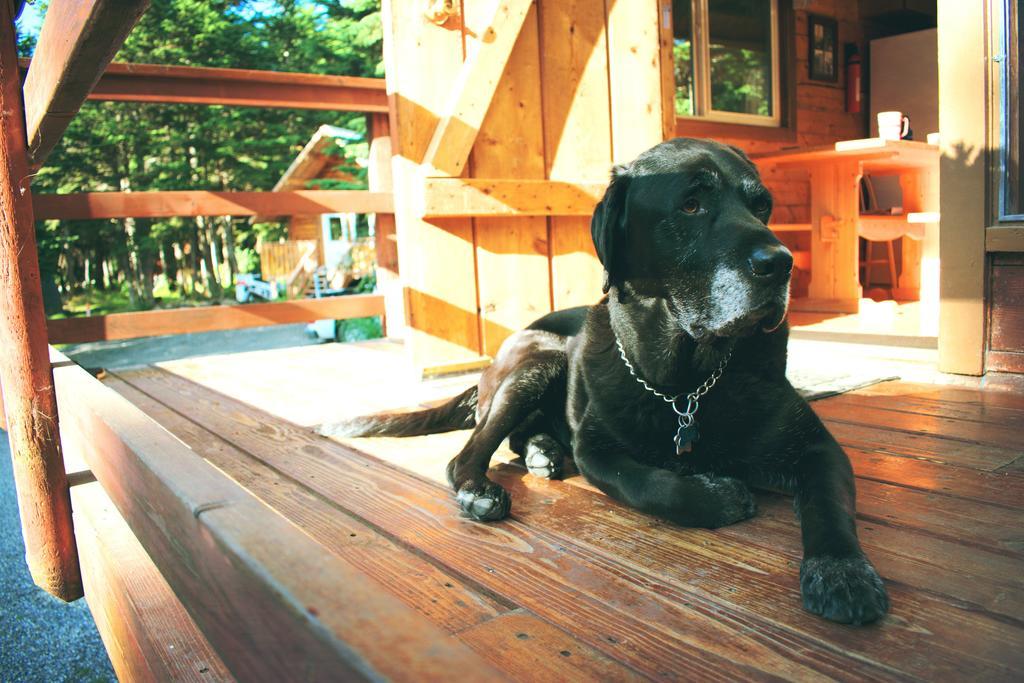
<point>691,206</point>
<point>762,206</point>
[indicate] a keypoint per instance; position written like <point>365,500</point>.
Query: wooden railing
<point>211,318</point>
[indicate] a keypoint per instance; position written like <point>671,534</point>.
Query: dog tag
<point>685,436</point>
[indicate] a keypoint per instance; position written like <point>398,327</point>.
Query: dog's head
<point>687,221</point>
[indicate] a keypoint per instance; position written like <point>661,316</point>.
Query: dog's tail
<point>457,413</point>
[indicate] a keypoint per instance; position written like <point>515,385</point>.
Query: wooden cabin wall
<point>1006,313</point>
<point>584,88</point>
<point>820,108</point>
<point>470,282</point>
<point>815,114</point>
<point>304,227</point>
<point>307,227</point>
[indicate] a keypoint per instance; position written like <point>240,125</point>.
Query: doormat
<point>815,383</point>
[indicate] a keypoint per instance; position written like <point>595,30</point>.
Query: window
<point>726,60</point>
<point>1011,96</point>
<point>346,227</point>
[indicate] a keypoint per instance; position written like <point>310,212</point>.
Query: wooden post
<point>30,403</point>
<point>385,237</point>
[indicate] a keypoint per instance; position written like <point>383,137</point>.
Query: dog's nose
<point>774,261</point>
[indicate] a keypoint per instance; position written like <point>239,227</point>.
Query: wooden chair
<point>868,203</point>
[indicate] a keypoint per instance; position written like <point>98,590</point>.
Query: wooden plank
<point>437,256</point>
<point>667,69</point>
<point>90,205</point>
<point>577,275</point>
<point>29,404</point>
<point>513,278</point>
<point>634,69</point>
<point>528,648</point>
<point>963,184</point>
<point>498,25</point>
<point>1001,488</point>
<point>123,82</point>
<point>574,78</point>
<point>918,445</point>
<point>147,633</point>
<point>210,318</point>
<point>1001,436</point>
<point>507,558</point>
<point>76,42</point>
<point>754,566</point>
<point>444,599</point>
<point>1004,238</point>
<point>967,521</point>
<point>1006,303</point>
<point>981,400</point>
<point>577,136</point>
<point>615,602</point>
<point>905,152</point>
<point>928,402</point>
<point>449,197</point>
<point>834,245</point>
<point>962,572</point>
<point>385,240</point>
<point>965,574</point>
<point>270,599</point>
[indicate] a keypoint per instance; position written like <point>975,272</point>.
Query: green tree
<point>112,146</point>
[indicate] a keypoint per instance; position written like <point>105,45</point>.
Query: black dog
<point>671,393</point>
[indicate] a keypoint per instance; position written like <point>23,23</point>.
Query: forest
<point>100,266</point>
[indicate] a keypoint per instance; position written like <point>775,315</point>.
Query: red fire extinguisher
<point>853,98</point>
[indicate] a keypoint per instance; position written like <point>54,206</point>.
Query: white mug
<point>892,125</point>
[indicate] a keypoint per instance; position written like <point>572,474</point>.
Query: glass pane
<point>741,56</point>
<point>335,223</point>
<point>682,55</point>
<point>1014,97</point>
<point>362,226</point>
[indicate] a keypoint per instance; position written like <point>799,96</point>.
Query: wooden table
<point>836,222</point>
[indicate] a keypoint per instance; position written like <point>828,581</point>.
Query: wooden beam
<point>963,202</point>
<point>211,318</point>
<point>136,612</point>
<point>29,402</point>
<point>239,87</point>
<point>169,84</point>
<point>77,41</point>
<point>272,601</point>
<point>474,89</point>
<point>1004,238</point>
<point>444,197</point>
<point>89,205</point>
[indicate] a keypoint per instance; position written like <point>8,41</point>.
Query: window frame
<point>1007,56</point>
<point>700,29</point>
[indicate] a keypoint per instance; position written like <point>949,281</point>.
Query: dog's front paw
<point>486,502</point>
<point>843,589</point>
<point>544,457</point>
<point>731,501</point>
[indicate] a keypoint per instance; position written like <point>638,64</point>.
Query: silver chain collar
<point>687,432</point>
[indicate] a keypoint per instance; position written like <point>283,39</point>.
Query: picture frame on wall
<point>823,48</point>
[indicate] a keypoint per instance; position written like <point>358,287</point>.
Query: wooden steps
<point>627,595</point>
<point>148,634</point>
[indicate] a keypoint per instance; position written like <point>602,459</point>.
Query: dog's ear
<point>608,226</point>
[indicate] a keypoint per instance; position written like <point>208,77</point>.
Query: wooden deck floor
<point>575,586</point>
